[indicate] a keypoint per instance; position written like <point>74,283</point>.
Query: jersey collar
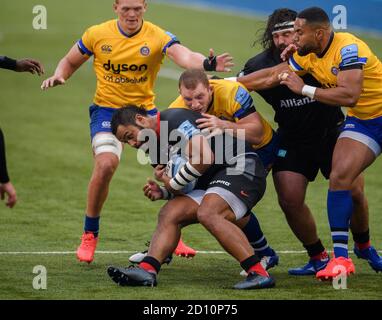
<point>129,35</point>
<point>322,54</point>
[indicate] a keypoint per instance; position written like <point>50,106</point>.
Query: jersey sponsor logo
<point>349,126</point>
<point>118,68</point>
<point>145,51</point>
<point>106,124</point>
<point>188,129</point>
<point>125,80</point>
<point>290,103</point>
<point>281,153</point>
<point>334,70</point>
<point>226,183</point>
<point>106,48</point>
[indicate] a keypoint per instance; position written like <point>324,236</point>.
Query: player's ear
<point>140,120</point>
<point>115,6</point>
<point>144,6</point>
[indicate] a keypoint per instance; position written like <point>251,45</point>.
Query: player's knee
<point>106,143</point>
<point>170,215</point>
<point>106,166</point>
<point>291,202</point>
<point>206,216</point>
<point>339,180</point>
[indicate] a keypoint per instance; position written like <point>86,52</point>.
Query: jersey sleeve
<point>168,39</point>
<point>178,103</point>
<point>298,64</point>
<point>85,44</point>
<point>243,104</point>
<point>353,56</point>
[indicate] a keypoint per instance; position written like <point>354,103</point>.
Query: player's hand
<point>29,65</point>
<point>152,191</point>
<point>210,122</point>
<point>159,170</point>
<point>223,61</point>
<point>288,52</point>
<point>293,81</point>
<point>52,82</point>
<point>9,189</point>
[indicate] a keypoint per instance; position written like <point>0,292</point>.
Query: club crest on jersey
<point>145,51</point>
<point>335,71</point>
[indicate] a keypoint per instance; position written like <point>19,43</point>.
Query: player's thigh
<point>290,187</point>
<point>214,205</point>
<point>350,158</point>
<point>181,210</point>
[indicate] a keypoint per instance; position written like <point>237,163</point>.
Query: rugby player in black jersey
<point>231,180</point>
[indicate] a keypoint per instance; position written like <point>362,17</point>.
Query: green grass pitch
<point>50,162</point>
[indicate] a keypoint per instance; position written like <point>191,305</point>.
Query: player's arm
<point>66,67</point>
<point>200,158</point>
<point>188,59</point>
<point>347,92</point>
<point>251,125</point>
<point>263,79</point>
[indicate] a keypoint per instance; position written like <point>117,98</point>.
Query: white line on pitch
<point>127,252</point>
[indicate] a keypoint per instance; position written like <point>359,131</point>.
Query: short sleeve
<point>168,39</point>
<point>353,56</point>
<point>296,64</point>
<point>85,44</point>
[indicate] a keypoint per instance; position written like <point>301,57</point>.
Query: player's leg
<point>291,189</point>
<point>175,214</point>
<point>350,158</point>
<point>107,152</point>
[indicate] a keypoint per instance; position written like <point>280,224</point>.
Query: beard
<point>305,50</point>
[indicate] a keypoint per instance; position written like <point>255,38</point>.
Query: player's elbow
<point>351,101</point>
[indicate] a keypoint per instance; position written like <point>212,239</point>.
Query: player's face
<point>129,134</point>
<point>197,99</point>
<point>130,14</point>
<point>283,39</point>
<point>304,38</point>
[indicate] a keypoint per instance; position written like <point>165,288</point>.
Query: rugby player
<point>227,168</point>
<point>350,75</point>
<point>128,53</point>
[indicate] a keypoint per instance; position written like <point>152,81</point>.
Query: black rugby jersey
<point>300,118</point>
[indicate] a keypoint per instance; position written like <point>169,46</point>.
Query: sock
<point>253,264</point>
<point>362,240</point>
<point>150,264</point>
<point>340,208</point>
<point>256,238</point>
<point>92,225</point>
<point>315,249</point>
<point>259,269</point>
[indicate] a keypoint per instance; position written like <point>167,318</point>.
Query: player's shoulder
<point>153,28</point>
<point>264,59</point>
<point>225,86</point>
<point>103,28</point>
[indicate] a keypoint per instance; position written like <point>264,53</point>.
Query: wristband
<point>166,195</point>
<point>233,79</point>
<point>184,176</point>
<point>309,91</point>
<point>210,63</point>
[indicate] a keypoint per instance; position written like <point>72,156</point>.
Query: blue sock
<point>340,209</point>
<point>92,225</point>
<point>256,238</point>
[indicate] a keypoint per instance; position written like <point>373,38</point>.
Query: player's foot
<point>372,257</point>
<point>85,252</point>
<point>183,250</point>
<point>139,256</point>
<point>267,262</point>
<point>335,267</point>
<point>255,281</point>
<point>133,276</point>
<point>311,268</point>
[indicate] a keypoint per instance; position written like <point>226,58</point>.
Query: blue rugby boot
<point>372,257</point>
<point>312,267</point>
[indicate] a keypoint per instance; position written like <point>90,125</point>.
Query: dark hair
<point>192,77</point>
<point>126,116</point>
<point>314,15</point>
<point>278,16</point>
